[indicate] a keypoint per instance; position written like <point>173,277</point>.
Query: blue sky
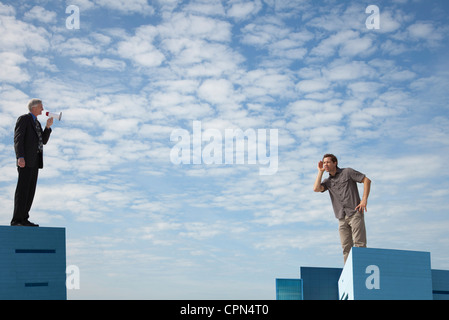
<point>140,226</point>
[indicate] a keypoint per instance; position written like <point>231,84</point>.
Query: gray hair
<point>33,102</point>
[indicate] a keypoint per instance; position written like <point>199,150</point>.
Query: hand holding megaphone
<point>54,115</point>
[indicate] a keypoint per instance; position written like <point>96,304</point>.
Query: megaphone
<point>54,115</point>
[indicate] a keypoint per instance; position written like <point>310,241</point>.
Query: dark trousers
<point>26,187</point>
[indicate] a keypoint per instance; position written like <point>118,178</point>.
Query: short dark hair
<point>330,155</point>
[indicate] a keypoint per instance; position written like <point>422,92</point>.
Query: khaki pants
<point>352,232</point>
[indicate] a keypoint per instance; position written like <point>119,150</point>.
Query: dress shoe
<point>24,224</point>
<point>29,224</point>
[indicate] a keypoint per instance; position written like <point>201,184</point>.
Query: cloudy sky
<point>132,74</point>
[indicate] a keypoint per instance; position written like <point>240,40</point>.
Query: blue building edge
<point>32,263</point>
<point>370,274</point>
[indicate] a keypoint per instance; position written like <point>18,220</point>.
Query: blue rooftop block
<point>32,263</point>
<point>289,289</point>
<point>384,274</point>
<point>320,283</point>
<point>440,284</point>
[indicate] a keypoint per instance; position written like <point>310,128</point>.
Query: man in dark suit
<point>29,139</point>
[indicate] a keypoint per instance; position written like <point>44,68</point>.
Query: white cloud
<point>403,75</point>
<point>44,63</point>
<point>172,104</point>
<point>282,42</point>
<point>397,170</point>
<point>201,230</point>
<point>436,132</point>
<point>206,7</point>
<point>11,71</point>
<point>426,31</point>
<point>7,10</point>
<point>347,42</point>
<point>363,90</point>
<point>109,64</point>
<point>341,17</point>
<point>266,84</point>
<point>243,9</point>
<point>359,46</point>
<point>216,91</point>
<point>39,13</point>
<point>312,85</point>
<point>84,5</point>
<point>140,48</point>
<point>64,95</point>
<point>128,6</point>
<point>115,130</point>
<point>389,21</point>
<point>155,131</point>
<point>76,47</point>
<point>189,26</point>
<point>328,45</point>
<point>421,30</point>
<point>393,48</point>
<point>19,36</point>
<point>341,70</point>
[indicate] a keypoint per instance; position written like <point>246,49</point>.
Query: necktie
<point>39,135</point>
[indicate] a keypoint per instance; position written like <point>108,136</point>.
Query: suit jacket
<point>26,141</point>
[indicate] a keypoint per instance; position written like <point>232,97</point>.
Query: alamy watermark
<point>72,281</point>
<point>373,280</point>
<point>373,21</point>
<point>72,21</point>
<point>211,147</point>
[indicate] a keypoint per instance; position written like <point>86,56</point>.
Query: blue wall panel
<point>374,274</point>
<point>386,274</point>
<point>289,289</point>
<point>320,283</point>
<point>32,263</point>
<point>440,284</point>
